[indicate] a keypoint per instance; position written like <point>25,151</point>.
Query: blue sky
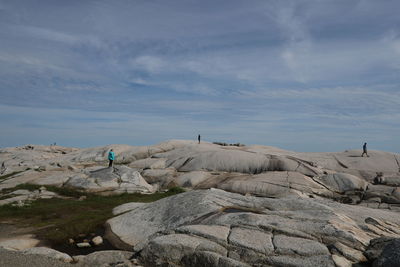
<point>302,75</point>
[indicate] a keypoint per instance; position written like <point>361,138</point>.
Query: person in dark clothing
<point>198,138</point>
<point>111,157</point>
<point>364,150</point>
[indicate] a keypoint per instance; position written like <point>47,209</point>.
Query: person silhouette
<point>111,157</point>
<point>364,150</point>
<point>198,138</point>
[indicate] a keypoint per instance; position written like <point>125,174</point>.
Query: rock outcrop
<point>258,170</point>
<point>214,226</point>
<point>246,205</point>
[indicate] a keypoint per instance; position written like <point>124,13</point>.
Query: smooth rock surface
<point>48,252</point>
<point>250,230</point>
<point>272,207</point>
<point>19,242</point>
<point>106,258</point>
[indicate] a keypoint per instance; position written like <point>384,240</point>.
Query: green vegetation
<point>7,196</point>
<point>9,175</point>
<point>63,191</point>
<point>61,219</point>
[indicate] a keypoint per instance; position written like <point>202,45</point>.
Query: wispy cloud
<point>267,72</point>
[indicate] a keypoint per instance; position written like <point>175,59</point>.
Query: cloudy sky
<point>315,75</point>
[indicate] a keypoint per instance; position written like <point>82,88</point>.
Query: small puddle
<point>73,250</point>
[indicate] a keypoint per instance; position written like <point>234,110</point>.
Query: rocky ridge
<point>246,206</point>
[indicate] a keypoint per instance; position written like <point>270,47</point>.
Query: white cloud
<point>151,64</point>
<point>56,36</point>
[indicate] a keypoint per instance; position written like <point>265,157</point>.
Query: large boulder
<point>216,158</point>
<point>212,225</point>
<point>118,179</point>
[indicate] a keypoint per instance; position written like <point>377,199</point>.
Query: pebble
<point>98,240</point>
<point>83,245</point>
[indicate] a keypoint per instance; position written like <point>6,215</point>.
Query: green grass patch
<point>68,218</point>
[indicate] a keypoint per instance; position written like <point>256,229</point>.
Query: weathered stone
<point>215,158</point>
<point>172,248</point>
<point>252,239</point>
<point>82,182</point>
<point>191,179</point>
<point>341,261</point>
<point>302,227</point>
<point>298,246</point>
<point>105,258</point>
<point>390,256</point>
<point>83,245</point>
<point>216,233</point>
<point>163,176</point>
<point>343,182</point>
<point>387,194</point>
<point>97,241</point>
<point>149,163</point>
<point>272,184</point>
<point>72,168</point>
<point>376,247</point>
<point>291,221</point>
<point>48,252</point>
<point>126,207</point>
<point>311,261</point>
<point>19,242</point>
<point>350,253</point>
<point>211,259</point>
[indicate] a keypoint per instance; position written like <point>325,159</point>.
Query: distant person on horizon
<point>364,150</point>
<point>198,138</point>
<point>111,157</point>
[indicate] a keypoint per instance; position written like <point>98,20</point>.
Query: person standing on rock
<point>111,157</point>
<point>198,138</point>
<point>364,150</point>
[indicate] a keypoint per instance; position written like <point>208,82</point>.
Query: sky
<point>303,75</point>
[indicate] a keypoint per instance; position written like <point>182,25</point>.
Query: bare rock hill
<point>245,205</point>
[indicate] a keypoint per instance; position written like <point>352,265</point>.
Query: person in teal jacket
<point>111,157</point>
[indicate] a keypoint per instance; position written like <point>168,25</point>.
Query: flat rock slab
<point>19,242</point>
